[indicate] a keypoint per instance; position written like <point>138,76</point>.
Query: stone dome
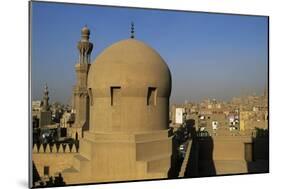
<point>131,65</point>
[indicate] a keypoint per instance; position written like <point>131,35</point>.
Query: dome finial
<point>132,30</point>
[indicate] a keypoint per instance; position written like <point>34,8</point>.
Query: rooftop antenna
<point>132,30</point>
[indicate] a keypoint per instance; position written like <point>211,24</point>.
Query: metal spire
<point>132,30</point>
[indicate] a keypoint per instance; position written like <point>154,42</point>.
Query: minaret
<point>45,116</point>
<point>84,46</point>
<point>46,99</point>
<point>132,30</point>
<point>80,93</point>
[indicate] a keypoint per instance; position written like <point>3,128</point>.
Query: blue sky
<point>209,55</point>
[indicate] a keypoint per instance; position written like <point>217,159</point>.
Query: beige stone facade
<point>129,86</point>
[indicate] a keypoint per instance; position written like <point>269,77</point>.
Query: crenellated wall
<point>55,148</point>
<point>56,157</point>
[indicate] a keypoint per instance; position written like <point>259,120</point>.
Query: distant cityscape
<point>241,115</point>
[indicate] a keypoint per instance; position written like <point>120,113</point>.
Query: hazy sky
<point>209,55</point>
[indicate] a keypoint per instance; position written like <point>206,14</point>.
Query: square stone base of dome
<point>121,157</point>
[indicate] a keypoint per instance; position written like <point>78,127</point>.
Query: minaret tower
<point>45,116</point>
<point>80,93</point>
<point>46,99</point>
<point>132,30</point>
<point>84,46</point>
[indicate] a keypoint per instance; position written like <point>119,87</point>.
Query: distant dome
<point>132,65</point>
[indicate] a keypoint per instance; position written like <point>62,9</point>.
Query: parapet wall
<point>56,158</point>
<point>224,147</point>
<point>220,155</point>
<point>55,161</point>
<point>55,148</point>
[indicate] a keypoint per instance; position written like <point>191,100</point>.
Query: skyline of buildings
<point>185,101</point>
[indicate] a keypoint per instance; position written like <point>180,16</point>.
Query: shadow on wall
<point>58,181</point>
<point>190,125</point>
<point>176,161</point>
<point>192,166</point>
<point>260,152</point>
<point>205,148</point>
<point>200,160</point>
<point>39,182</point>
<point>86,126</point>
<point>35,174</point>
<point>181,137</point>
<point>256,154</point>
<point>49,182</point>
